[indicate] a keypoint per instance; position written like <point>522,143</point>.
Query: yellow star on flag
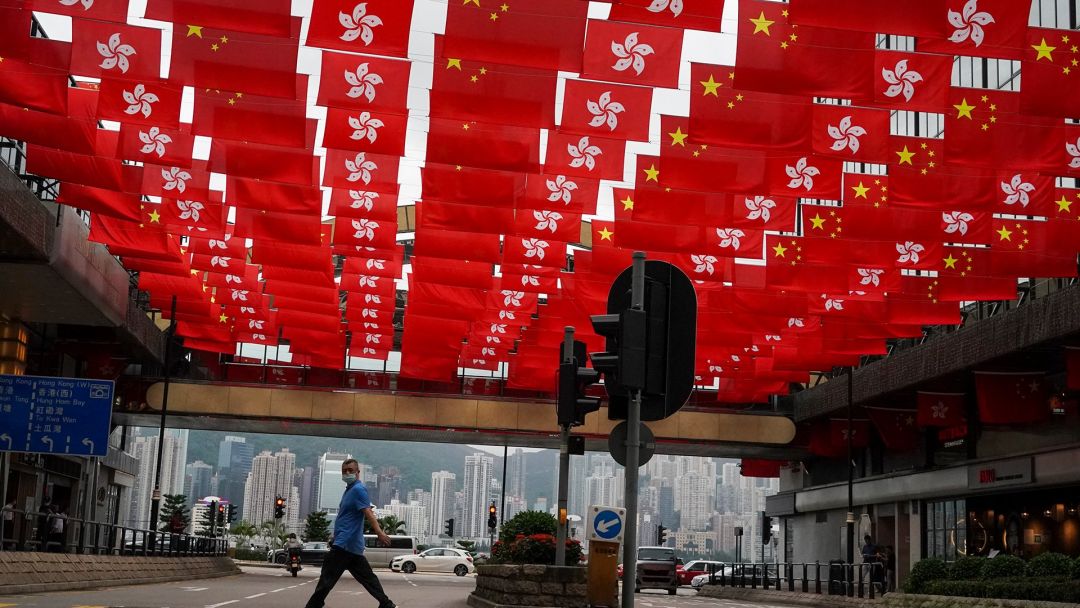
<point>905,156</point>
<point>494,16</point>
<point>950,262</point>
<point>860,190</point>
<point>1064,204</point>
<point>818,221</point>
<point>711,86</point>
<point>473,2</point>
<point>652,174</point>
<point>780,250</point>
<point>761,24</point>
<point>194,30</point>
<point>1005,233</point>
<point>963,110</point>
<point>155,217</point>
<point>627,203</point>
<point>1043,50</point>
<point>223,318</point>
<point>453,63</point>
<point>678,137</point>
<point>505,7</point>
<point>605,234</point>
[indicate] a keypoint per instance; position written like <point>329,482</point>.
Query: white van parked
<point>379,556</point>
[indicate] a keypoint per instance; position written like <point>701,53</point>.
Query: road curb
<point>30,589</point>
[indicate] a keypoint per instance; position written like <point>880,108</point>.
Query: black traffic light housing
<point>450,527</point>
<point>661,535</point>
<point>230,515</point>
<point>493,521</point>
<point>766,528</point>
<point>572,403</point>
<point>279,507</point>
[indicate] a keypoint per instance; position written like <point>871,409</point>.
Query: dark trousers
<point>335,564</point>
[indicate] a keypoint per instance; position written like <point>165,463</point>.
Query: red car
<point>697,567</point>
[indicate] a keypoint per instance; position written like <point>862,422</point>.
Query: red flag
<point>983,28</point>
<point>805,175</point>
<point>151,144</point>
<point>190,182</point>
<point>919,18</point>
<point>371,172</point>
<point>920,177</point>
<point>544,34</point>
<point>912,81</point>
<point>99,201</point>
<point>1011,397</point>
<point>696,15</point>
<point>128,238</point>
<point>287,227</point>
<point>458,184</point>
<point>530,250</point>
<point>366,83</point>
<point>273,163</point>
<point>100,49</point>
<point>755,467</point>
<point>253,118</point>
<point>1051,64</point>
<point>205,217</point>
<point>1025,193</point>
<point>226,60</point>
<point>985,129</point>
<point>1072,366</point>
<point>40,80</point>
<point>95,171</point>
<point>633,53</point>
<point>380,27</point>
<point>474,144</point>
<point>466,218</point>
<point>895,427</point>
<point>270,17</point>
<point>374,132</point>
<point>941,409</point>
<point>585,156</point>
<point>283,198</point>
<point>361,203</point>
<point>607,110</point>
<point>106,10</point>
<point>572,194</point>
<point>471,246</point>
<point>773,57</point>
<point>76,132</point>
<point>851,133</point>
<point>151,102</point>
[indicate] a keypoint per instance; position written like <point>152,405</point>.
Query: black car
<point>312,554</point>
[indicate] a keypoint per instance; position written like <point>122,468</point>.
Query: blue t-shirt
<point>349,524</point>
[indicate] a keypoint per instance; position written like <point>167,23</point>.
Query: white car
<point>441,559</point>
<point>701,580</point>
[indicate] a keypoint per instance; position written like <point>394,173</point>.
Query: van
<point>378,556</point>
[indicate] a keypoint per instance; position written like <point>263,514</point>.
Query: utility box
<point>603,586</point>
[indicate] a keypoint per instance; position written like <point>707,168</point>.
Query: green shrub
<point>1046,590</point>
<point>1049,564</point>
<point>1076,568</point>
<point>1003,566</point>
<point>923,572</point>
<point>528,523</point>
<point>534,549</point>
<point>966,568</point>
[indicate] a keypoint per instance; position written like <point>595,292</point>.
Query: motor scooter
<point>293,565</point>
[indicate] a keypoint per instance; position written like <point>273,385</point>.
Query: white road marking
<point>251,597</point>
<point>282,589</point>
<point>194,588</point>
<point>222,604</point>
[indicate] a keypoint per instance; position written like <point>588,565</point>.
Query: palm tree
<point>391,524</point>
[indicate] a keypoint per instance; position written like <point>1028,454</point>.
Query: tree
<point>272,534</point>
<point>244,532</point>
<point>317,527</point>
<point>174,516</point>
<point>391,524</point>
<point>468,545</point>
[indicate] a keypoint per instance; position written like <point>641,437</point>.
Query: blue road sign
<point>607,524</point>
<point>55,415</point>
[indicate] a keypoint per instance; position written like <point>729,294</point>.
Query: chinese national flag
<point>151,144</point>
<point>982,28</point>
<point>688,165</point>
<point>911,81</point>
<point>649,236</point>
<point>545,34</point>
<point>1011,397</point>
<point>225,60</point>
<point>257,161</point>
<point>99,48</point>
<point>1051,65</point>
<point>360,130</point>
<point>676,206</point>
<point>271,196</point>
<point>632,53</point>
<point>1066,204</point>
<point>919,177</point>
<point>896,427</point>
<point>470,246</point>
<point>269,17</point>
<point>285,227</point>
<point>245,117</point>
<point>693,15</point>
<point>151,102</point>
<point>862,189</point>
<point>585,156</point>
<point>136,240</point>
<point>966,274</point>
<point>457,184</point>
<point>99,201</point>
<point>984,128</point>
<point>775,56</point>
<point>37,85</point>
<point>467,218</point>
<point>360,170</point>
<point>366,83</point>
<point>608,110</point>
<point>850,133</point>
<point>487,146</point>
<point>378,27</point>
<point>76,132</point>
<point>940,409</point>
<point>95,171</point>
<point>722,114</point>
<point>917,18</point>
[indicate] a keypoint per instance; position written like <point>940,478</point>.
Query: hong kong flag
<point>467,218</point>
<point>805,175</point>
<point>530,250</point>
<point>940,409</point>
<point>375,132</point>
<point>364,83</point>
<point>102,49</point>
<point>982,28</point>
<point>155,145</point>
<point>379,27</point>
<point>102,10</point>
<point>153,102</point>
<point>175,181</point>
<point>1012,397</point>
<point>607,110</point>
<point>851,133</point>
<point>544,223</point>
<point>560,192</point>
<point>692,15</point>
<point>100,201</point>
<point>633,53</point>
<point>585,156</point>
<point>363,203</point>
<point>911,81</point>
<point>361,170</point>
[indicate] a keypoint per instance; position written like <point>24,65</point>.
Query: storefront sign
<point>998,474</point>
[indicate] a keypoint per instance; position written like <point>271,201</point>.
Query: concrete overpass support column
<point>13,339</point>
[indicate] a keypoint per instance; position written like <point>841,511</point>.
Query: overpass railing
<point>33,531</point>
<point>866,580</point>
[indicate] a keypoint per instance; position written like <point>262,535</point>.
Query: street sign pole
<point>633,443</point>
<point>564,461</point>
<point>155,499</point>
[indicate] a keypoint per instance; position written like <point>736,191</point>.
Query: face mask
<point>348,477</point>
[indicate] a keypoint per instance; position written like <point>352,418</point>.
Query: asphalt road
<point>274,588</point>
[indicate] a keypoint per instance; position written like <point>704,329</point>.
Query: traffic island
<point>792,598</point>
<point>33,572</point>
<point>529,585</point>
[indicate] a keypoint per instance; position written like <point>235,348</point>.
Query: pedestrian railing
<point>32,531</point>
<point>866,580</point>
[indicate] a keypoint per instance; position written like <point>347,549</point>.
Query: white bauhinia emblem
<point>220,261</point>
<point>370,298</point>
<point>909,252</point>
<point>375,265</point>
<point>802,174</point>
<point>239,295</point>
<point>244,310</point>
<point>154,141</point>
<point>939,410</point>
<point>370,313</point>
<point>729,237</point>
<point>583,153</point>
<point>362,82</point>
<point>547,220</point>
<point>716,369</point>
<point>604,111</point>
<point>216,244</point>
<point>175,179</point>
<point>534,248</point>
<point>498,328</point>
<point>362,199</point>
<point>365,229</point>
<point>561,189</point>
<point>86,4</point>
<point>969,23</point>
<point>373,338</point>
<point>255,324</point>
<point>758,208</point>
<point>795,322</point>
<point>232,278</point>
<point>832,303</point>
<point>530,281</point>
<point>870,276</point>
<point>115,54</point>
<point>365,127</point>
<point>901,80</point>
<point>507,315</point>
<point>359,24</point>
<point>360,169</point>
<point>1074,152</point>
<point>659,6</point>
<point>630,53</point>
<point>773,338</point>
<point>189,210</point>
<point>512,298</point>
<point>139,101</point>
<point>846,135</point>
<point>703,263</point>
<point>364,280</point>
<point>956,221</point>
<point>1017,190</point>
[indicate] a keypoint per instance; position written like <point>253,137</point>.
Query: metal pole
<point>851,468</point>
<point>633,445</point>
<point>155,501</point>
<point>5,461</point>
<point>502,512</point>
<point>564,462</point>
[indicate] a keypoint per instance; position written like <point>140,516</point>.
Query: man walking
<point>347,543</point>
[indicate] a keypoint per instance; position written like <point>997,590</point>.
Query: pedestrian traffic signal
<point>766,528</point>
<point>450,527</point>
<point>493,521</point>
<point>661,536</point>
<point>279,507</point>
<point>572,404</point>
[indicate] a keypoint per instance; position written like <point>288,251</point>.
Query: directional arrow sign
<point>607,524</point>
<point>43,414</point>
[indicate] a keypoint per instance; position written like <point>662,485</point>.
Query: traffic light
<point>766,528</point>
<point>623,363</point>
<point>279,507</point>
<point>493,521</point>
<point>661,536</point>
<point>220,516</point>
<point>230,515</point>
<point>572,403</point>
<point>450,527</point>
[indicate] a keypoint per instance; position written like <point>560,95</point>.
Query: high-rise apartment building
<point>330,486</point>
<point>199,476</point>
<point>271,476</point>
<point>234,464</point>
<point>477,489</point>
<point>443,488</point>
<point>144,449</point>
<point>515,472</point>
